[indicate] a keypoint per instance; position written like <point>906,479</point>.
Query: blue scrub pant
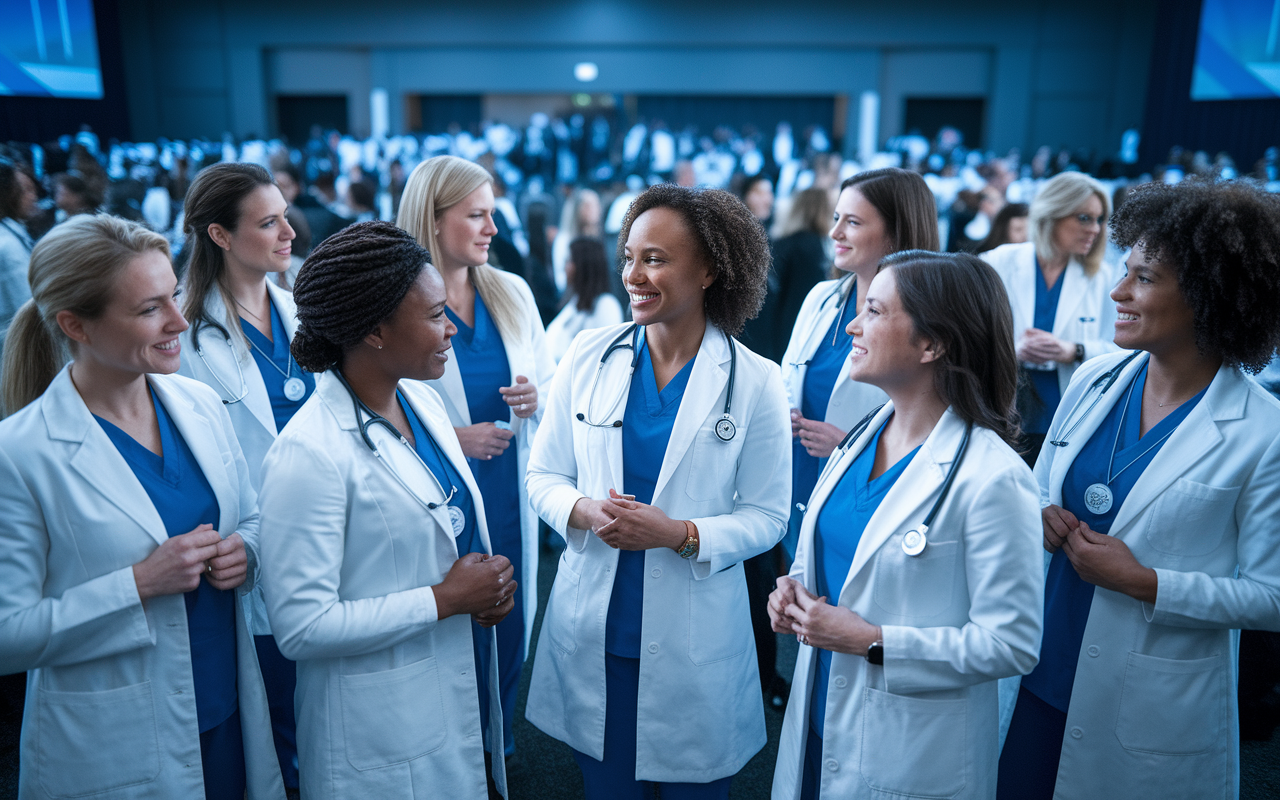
<point>222,760</point>
<point>1029,761</point>
<point>511,652</point>
<point>615,777</point>
<point>812,781</point>
<point>280,676</point>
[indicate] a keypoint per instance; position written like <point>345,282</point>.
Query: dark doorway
<point>298,113</point>
<point>928,115</point>
<point>434,113</point>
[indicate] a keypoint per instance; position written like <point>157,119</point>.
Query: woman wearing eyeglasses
<point>663,460</point>
<point>238,241</point>
<point>1057,285</point>
<point>378,571</point>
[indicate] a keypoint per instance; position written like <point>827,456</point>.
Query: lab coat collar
<point>820,322</point>
<point>1224,400</point>
<point>220,355</point>
<point>702,397</point>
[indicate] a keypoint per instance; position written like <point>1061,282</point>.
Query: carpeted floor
<point>543,769</point>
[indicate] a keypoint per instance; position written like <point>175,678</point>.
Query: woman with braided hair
<point>380,579</point>
<point>238,241</point>
<point>491,387</point>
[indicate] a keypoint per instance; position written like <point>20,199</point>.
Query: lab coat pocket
<point>713,464</point>
<point>392,716</point>
<point>561,617</point>
<point>1155,699</point>
<point>1190,518</point>
<point>913,746</point>
<point>719,617</point>
<point>915,587</point>
<point>91,742</point>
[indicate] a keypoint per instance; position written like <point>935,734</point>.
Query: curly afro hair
<point>1223,241</point>
<point>732,241</point>
<point>350,283</point>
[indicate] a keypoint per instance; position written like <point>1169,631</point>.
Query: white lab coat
<point>528,357</point>
<point>850,400</point>
<point>1086,314</point>
<point>215,365</point>
<point>1153,707</point>
<point>386,700</point>
<point>605,311</point>
<point>956,618</point>
<point>110,707</point>
<point>701,717</point>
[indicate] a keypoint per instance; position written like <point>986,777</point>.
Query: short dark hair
<point>1222,239</point>
<point>349,284</point>
<point>999,233</point>
<point>957,301</point>
<point>732,241</point>
<point>590,270</point>
<point>905,203</point>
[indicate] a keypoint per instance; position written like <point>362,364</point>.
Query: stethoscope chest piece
<point>457,520</point>
<point>726,428</point>
<point>914,542</point>
<point>294,389</point>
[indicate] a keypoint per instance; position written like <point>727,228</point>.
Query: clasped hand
<point>480,585</point>
<point>1041,347</point>
<point>1098,558</point>
<point>175,567</point>
<point>522,397</point>
<point>624,524</point>
<point>794,609</point>
<point>819,438</point>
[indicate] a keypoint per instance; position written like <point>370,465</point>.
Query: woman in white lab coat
<point>663,461</point>
<point>238,241</point>
<point>1057,285</point>
<point>878,212</point>
<point>378,574</point>
<point>1159,486</point>
<point>491,384</point>
<point>589,303</point>
<point>918,579</point>
<point>130,535</point>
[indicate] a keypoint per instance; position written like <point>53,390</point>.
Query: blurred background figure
<point>588,303</point>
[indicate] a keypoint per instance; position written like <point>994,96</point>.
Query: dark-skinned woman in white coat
<point>663,460</point>
<point>378,574</point>
<point>917,580</point>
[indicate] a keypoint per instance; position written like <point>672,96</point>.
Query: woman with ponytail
<point>238,242</point>
<point>129,538</point>
<point>379,576</point>
<point>491,388</point>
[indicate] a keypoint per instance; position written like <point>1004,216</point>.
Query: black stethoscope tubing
<point>725,427</point>
<point>1105,380</point>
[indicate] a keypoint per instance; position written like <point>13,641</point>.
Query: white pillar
<point>868,126</point>
<point>379,114</point>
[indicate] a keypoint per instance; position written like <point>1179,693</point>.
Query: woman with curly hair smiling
<point>663,460</point>
<point>1159,476</point>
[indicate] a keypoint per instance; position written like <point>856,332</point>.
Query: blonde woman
<point>491,385</point>
<point>130,538</point>
<point>1057,285</point>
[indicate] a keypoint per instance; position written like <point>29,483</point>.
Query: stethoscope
<point>456,518</point>
<point>244,385</point>
<point>726,428</point>
<point>1105,381</point>
<point>916,540</point>
<point>835,292</point>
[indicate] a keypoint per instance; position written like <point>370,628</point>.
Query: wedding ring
<point>501,581</point>
<point>208,567</point>
<point>804,639</point>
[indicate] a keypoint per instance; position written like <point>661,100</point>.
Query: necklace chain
<point>1111,476</point>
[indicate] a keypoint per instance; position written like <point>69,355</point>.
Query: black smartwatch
<point>1079,353</point>
<point>875,654</point>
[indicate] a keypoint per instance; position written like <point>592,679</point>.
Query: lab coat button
<point>653,648</point>
<point>1093,651</point>
<point>840,682</point>
<point>833,765</point>
<point>1076,733</point>
<point>657,573</point>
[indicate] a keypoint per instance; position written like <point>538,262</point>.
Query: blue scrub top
<point>1067,597</point>
<point>840,524</point>
<point>482,361</point>
<point>277,347</point>
<point>184,500</point>
<point>1045,381</point>
<point>819,380</point>
<point>646,430</point>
